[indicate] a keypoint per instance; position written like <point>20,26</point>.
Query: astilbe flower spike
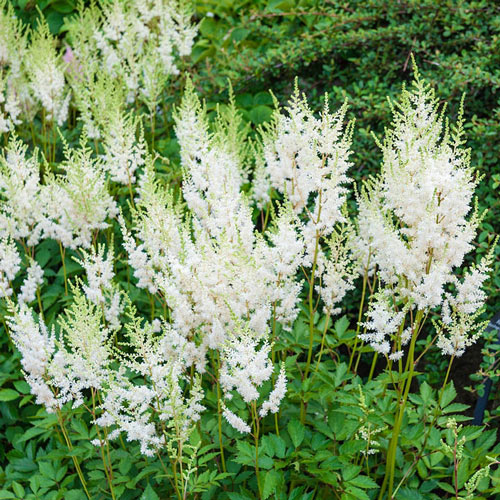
<point>415,224</point>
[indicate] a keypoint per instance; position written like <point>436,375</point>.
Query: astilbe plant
<point>415,229</point>
<point>200,311</point>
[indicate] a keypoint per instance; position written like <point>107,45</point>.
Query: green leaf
<point>363,482</point>
<point>208,27</point>
<point>8,395</point>
<point>55,21</point>
<point>4,494</point>
<point>63,6</point>
<point>357,493</point>
<point>239,496</point>
<point>22,386</point>
<point>149,494</point>
<point>271,480</point>
<point>449,394</point>
<point>74,495</point>
<point>341,326</point>
<point>340,374</point>
<point>350,471</point>
<point>260,114</point>
<point>426,392</point>
<point>31,433</point>
<point>264,98</point>
<point>279,446</point>
<point>18,489</point>
<point>409,494</point>
<point>297,432</point>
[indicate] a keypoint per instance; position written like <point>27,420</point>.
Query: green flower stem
<point>360,314</point>
<point>256,428</point>
<point>391,455</point>
<point>70,448</point>
<point>108,469</point>
<point>219,412</point>
<point>62,250</point>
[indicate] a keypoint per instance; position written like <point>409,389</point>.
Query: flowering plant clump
<point>182,318</point>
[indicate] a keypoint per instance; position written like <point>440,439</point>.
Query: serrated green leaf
<point>449,394</point>
<point>271,480</point>
<point>363,482</point>
<point>297,432</point>
<point>149,493</point>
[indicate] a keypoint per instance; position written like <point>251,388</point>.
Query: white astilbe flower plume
<point>414,223</point>
<point>137,43</point>
<point>99,271</point>
<point>124,151</point>
<point>15,94</point>
<point>383,323</point>
<point>85,349</point>
<point>340,270</point>
<point>46,72</point>
<point>307,158</point>
<point>278,393</point>
<point>234,421</point>
<point>10,104</point>
<point>459,326</point>
<point>31,283</point>
<point>245,366</point>
<point>37,347</point>
<point>60,370</point>
<point>21,211</point>
<point>211,266</point>
<point>10,264</point>
<point>413,218</point>
<point>100,288</point>
<point>142,411</point>
<point>213,164</point>
<point>78,203</point>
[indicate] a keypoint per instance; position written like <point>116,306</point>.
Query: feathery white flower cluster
<point>306,159</point>
<point>213,269</point>
<point>413,218</point>
<point>276,396</point>
<point>21,208</point>
<point>59,371</point>
<point>10,264</point>
<point>235,421</point>
<point>100,289</point>
<point>124,153</point>
<point>37,347</point>
<point>459,327</point>
<point>339,270</point>
<point>68,207</point>
<point>141,410</point>
<point>31,283</point>
<point>136,42</point>
<point>14,91</point>
<point>78,202</point>
<point>383,323</point>
<point>45,68</point>
<point>246,365</point>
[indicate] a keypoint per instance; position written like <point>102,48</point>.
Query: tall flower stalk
<point>415,228</point>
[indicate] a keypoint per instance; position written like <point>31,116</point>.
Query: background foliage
<point>359,49</point>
